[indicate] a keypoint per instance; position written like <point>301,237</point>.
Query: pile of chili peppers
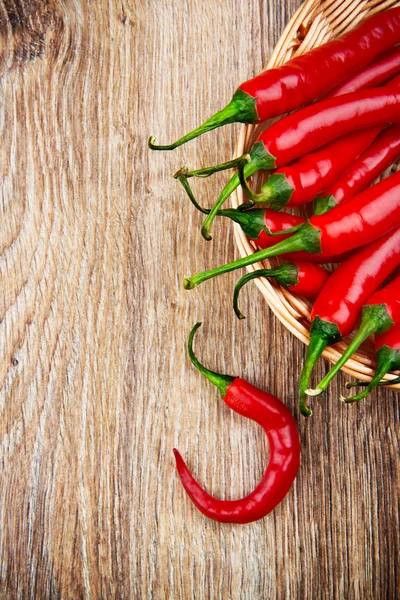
<point>342,133</point>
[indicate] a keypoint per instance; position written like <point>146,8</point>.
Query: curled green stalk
<point>222,382</point>
<point>375,319</point>
<point>388,359</point>
<point>286,275</point>
<point>260,159</point>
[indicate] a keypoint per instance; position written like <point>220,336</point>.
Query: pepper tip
<point>188,284</point>
<point>206,234</point>
<point>315,392</point>
<point>183,171</point>
<point>306,411</point>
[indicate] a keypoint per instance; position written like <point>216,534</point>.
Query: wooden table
<point>96,387</point>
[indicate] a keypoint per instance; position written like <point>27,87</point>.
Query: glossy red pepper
<point>310,128</point>
<point>380,313</point>
<point>284,459</point>
<point>301,181</point>
<point>352,225</point>
<point>302,278</point>
<point>276,222</point>
<point>384,68</point>
<point>304,78</point>
<point>383,151</point>
<point>337,308</point>
<point>387,347</point>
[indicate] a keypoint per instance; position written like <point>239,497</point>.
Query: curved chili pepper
<point>380,313</point>
<point>387,347</point>
<point>338,306</point>
<point>383,151</point>
<point>310,128</point>
<point>304,78</point>
<point>386,66</point>
<point>284,460</point>
<point>302,278</point>
<point>356,223</point>
<point>301,181</point>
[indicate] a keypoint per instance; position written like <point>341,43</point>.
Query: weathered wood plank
<point>95,238</point>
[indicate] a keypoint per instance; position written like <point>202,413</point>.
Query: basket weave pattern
<point>314,23</point>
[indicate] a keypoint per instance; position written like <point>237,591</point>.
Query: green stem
<point>388,359</point>
<point>250,168</point>
<point>307,238</point>
<point>251,222</point>
<point>293,229</point>
<point>222,382</point>
<point>392,381</point>
<point>242,108</point>
<point>276,190</point>
<point>255,198</point>
<point>207,171</point>
<point>286,275</point>
<point>182,176</point>
<point>183,180</point>
<point>261,159</point>
<point>375,319</point>
<point>318,343</point>
<point>323,204</point>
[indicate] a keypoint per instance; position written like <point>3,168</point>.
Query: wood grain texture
<point>95,385</point>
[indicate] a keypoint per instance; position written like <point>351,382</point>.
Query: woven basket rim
<point>314,23</point>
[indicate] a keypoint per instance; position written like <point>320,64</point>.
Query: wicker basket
<point>314,23</point>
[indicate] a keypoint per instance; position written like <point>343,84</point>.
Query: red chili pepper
<point>304,78</point>
<point>386,66</point>
<point>387,347</point>
<point>284,460</point>
<point>338,306</point>
<point>383,151</point>
<point>309,128</point>
<point>380,313</point>
<point>301,181</point>
<point>356,223</point>
<point>302,278</point>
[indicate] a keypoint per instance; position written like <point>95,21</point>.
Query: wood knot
<point>23,28</point>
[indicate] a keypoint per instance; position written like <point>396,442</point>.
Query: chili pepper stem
<point>222,382</point>
<point>183,180</point>
<point>324,203</point>
<point>207,171</point>
<point>394,381</point>
<point>183,174</point>
<point>250,168</point>
<point>255,198</point>
<point>307,238</point>
<point>276,191</point>
<point>252,223</point>
<point>286,275</point>
<point>387,359</point>
<point>314,351</point>
<point>242,109</point>
<point>284,231</point>
<point>384,368</point>
<point>260,159</point>
<point>375,320</point>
